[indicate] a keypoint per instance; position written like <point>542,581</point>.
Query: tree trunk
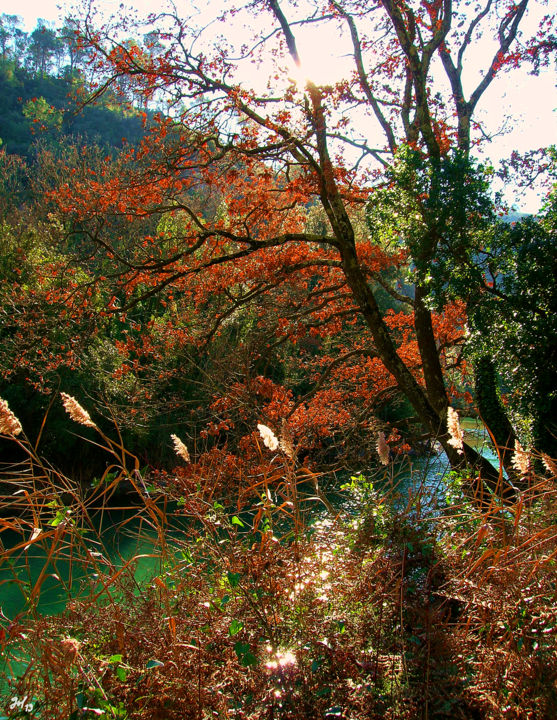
<point>493,414</point>
<point>429,354</point>
<point>434,421</point>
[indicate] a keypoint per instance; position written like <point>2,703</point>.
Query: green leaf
<point>235,627</point>
<point>153,664</point>
<point>122,673</point>
<point>244,654</point>
<point>236,521</point>
<point>115,658</point>
<point>60,515</point>
<point>316,664</point>
<point>234,578</point>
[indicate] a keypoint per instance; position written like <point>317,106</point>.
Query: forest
<point>278,373</point>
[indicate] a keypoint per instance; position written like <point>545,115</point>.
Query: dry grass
<point>254,611</point>
<point>500,567</point>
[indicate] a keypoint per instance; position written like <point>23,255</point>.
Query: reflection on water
<point>476,435</point>
<point>424,477</point>
<point>436,467</point>
<point>123,534</point>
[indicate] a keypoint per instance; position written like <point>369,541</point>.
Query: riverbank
<point>393,595</point>
<point>361,614</point>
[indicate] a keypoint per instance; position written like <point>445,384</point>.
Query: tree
<point>513,320</point>
<point>44,46</point>
<point>74,52</point>
<point>9,33</point>
<point>264,156</point>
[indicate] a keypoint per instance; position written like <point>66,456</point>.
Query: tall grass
<point>430,606</point>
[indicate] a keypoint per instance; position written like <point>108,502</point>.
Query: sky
<point>30,10</point>
<point>533,100</point>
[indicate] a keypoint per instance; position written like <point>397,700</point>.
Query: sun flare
<point>319,67</point>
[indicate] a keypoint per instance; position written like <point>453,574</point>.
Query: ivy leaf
<point>234,578</point>
<point>245,655</point>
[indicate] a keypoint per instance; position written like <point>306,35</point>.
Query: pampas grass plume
<point>549,464</point>
<point>77,413</point>
<point>520,460</point>
<point>9,424</point>
<point>268,436</point>
<point>383,449</point>
<point>287,441</point>
<point>180,448</point>
<point>455,431</point>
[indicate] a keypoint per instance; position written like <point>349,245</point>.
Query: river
<point>125,533</point>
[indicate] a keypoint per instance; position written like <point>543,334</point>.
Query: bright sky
<point>533,100</point>
<point>30,10</point>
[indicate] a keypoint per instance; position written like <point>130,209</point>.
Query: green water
<point>436,467</point>
<point>477,436</point>
<point>124,536</point>
<point>115,538</point>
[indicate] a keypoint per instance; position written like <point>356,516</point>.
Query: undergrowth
<point>278,606</point>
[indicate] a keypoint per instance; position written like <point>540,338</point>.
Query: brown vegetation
<point>401,604</point>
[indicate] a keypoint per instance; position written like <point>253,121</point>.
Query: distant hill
<point>516,217</point>
<point>24,92</point>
